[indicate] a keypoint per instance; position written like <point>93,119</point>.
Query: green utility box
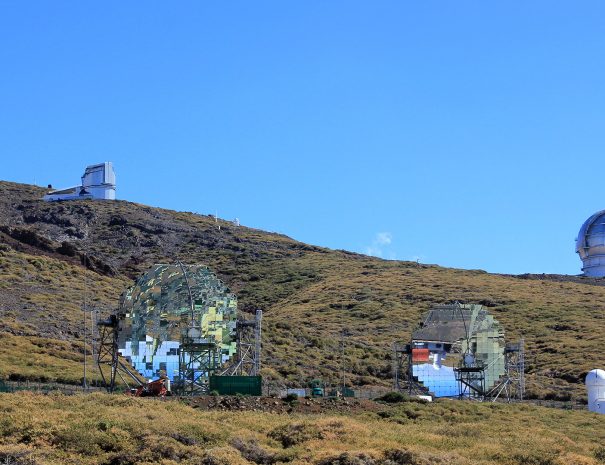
<point>232,385</point>
<point>317,388</point>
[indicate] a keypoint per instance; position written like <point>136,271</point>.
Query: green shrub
<point>296,433</point>
<point>534,459</point>
<point>394,397</point>
<point>599,454</point>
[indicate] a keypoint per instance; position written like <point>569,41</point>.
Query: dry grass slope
<point>102,429</point>
<point>309,294</point>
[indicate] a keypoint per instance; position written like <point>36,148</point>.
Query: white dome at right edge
<point>590,245</point>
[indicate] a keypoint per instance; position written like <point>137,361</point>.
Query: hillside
<point>53,255</point>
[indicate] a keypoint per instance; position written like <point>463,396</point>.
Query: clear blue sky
<point>468,134</point>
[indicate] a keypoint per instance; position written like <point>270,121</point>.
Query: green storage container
<point>5,388</point>
<point>232,385</point>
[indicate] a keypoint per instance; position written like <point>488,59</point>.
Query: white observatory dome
<point>595,378</point>
<point>595,385</point>
<point>590,245</point>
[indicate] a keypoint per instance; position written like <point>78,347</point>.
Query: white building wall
<point>100,181</point>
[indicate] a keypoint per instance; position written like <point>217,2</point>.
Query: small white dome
<point>595,378</point>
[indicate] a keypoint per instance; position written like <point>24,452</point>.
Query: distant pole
<point>84,383</point>
<point>344,379</point>
<point>257,341</point>
<point>93,341</point>
<point>84,386</point>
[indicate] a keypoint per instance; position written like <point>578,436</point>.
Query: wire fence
<point>69,389</point>
<point>334,392</point>
<point>44,388</point>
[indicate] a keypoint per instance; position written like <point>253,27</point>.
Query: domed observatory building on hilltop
<point>590,245</point>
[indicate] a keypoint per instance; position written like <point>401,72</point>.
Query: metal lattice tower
<point>471,380</point>
<point>512,384</point>
<point>199,358</point>
<point>403,377</point>
<point>108,356</point>
<point>399,368</point>
<point>248,356</point>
